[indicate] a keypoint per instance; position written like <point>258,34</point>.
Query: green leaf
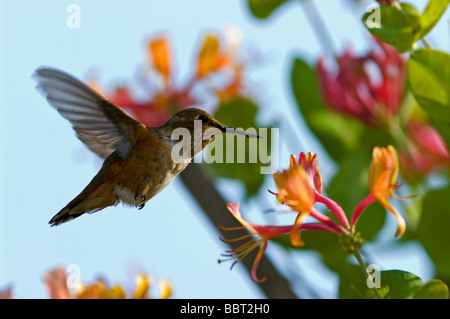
<point>238,157</point>
<point>433,230</point>
<point>429,80</point>
<point>431,15</point>
<point>395,284</point>
<point>337,133</point>
<point>433,289</point>
<point>262,9</point>
<point>443,128</point>
<point>401,26</point>
<point>237,112</point>
<point>396,26</point>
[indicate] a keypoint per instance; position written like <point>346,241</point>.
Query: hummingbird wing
<point>98,123</point>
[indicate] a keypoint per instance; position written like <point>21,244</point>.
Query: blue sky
<point>44,166</point>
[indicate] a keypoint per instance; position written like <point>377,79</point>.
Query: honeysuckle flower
<point>159,53</point>
<point>426,150</point>
<point>165,289</point>
<point>221,54</point>
<point>56,283</point>
<point>258,236</point>
<point>383,172</point>
<point>6,293</point>
<point>295,191</point>
<point>309,163</point>
<point>300,187</point>
<point>164,98</point>
<point>149,112</point>
<point>100,290</point>
<point>142,284</point>
<point>358,92</point>
<point>210,57</point>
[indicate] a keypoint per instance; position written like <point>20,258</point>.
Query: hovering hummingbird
<point>138,159</point>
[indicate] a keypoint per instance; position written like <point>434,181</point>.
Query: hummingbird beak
<point>234,131</point>
<point>230,130</point>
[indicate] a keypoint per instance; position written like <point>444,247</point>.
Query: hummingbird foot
<point>142,198</point>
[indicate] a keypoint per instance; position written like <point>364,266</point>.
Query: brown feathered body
<point>134,181</point>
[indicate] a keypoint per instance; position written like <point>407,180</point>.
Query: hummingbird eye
<point>203,118</point>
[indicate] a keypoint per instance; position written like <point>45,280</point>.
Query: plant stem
<point>318,26</point>
<point>397,132</point>
<point>426,43</point>
<point>363,266</point>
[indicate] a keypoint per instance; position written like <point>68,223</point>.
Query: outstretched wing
<point>98,123</point>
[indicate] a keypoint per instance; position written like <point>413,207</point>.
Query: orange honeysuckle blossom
<point>383,171</point>
<point>165,289</point>
<point>311,166</point>
<point>142,286</point>
<point>300,187</point>
<point>100,290</point>
<point>164,98</point>
<point>382,181</point>
<point>159,52</point>
<point>259,236</point>
<point>295,191</point>
<point>210,57</point>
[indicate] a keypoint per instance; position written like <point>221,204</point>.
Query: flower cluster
<point>369,88</point>
<point>299,188</point>
<point>216,58</point>
<point>59,286</point>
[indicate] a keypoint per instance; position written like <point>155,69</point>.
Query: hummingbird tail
<point>89,201</point>
<point>63,216</point>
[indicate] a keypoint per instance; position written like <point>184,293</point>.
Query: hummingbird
<point>138,160</point>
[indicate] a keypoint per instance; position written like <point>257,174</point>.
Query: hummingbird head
<point>187,117</point>
<point>201,126</point>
